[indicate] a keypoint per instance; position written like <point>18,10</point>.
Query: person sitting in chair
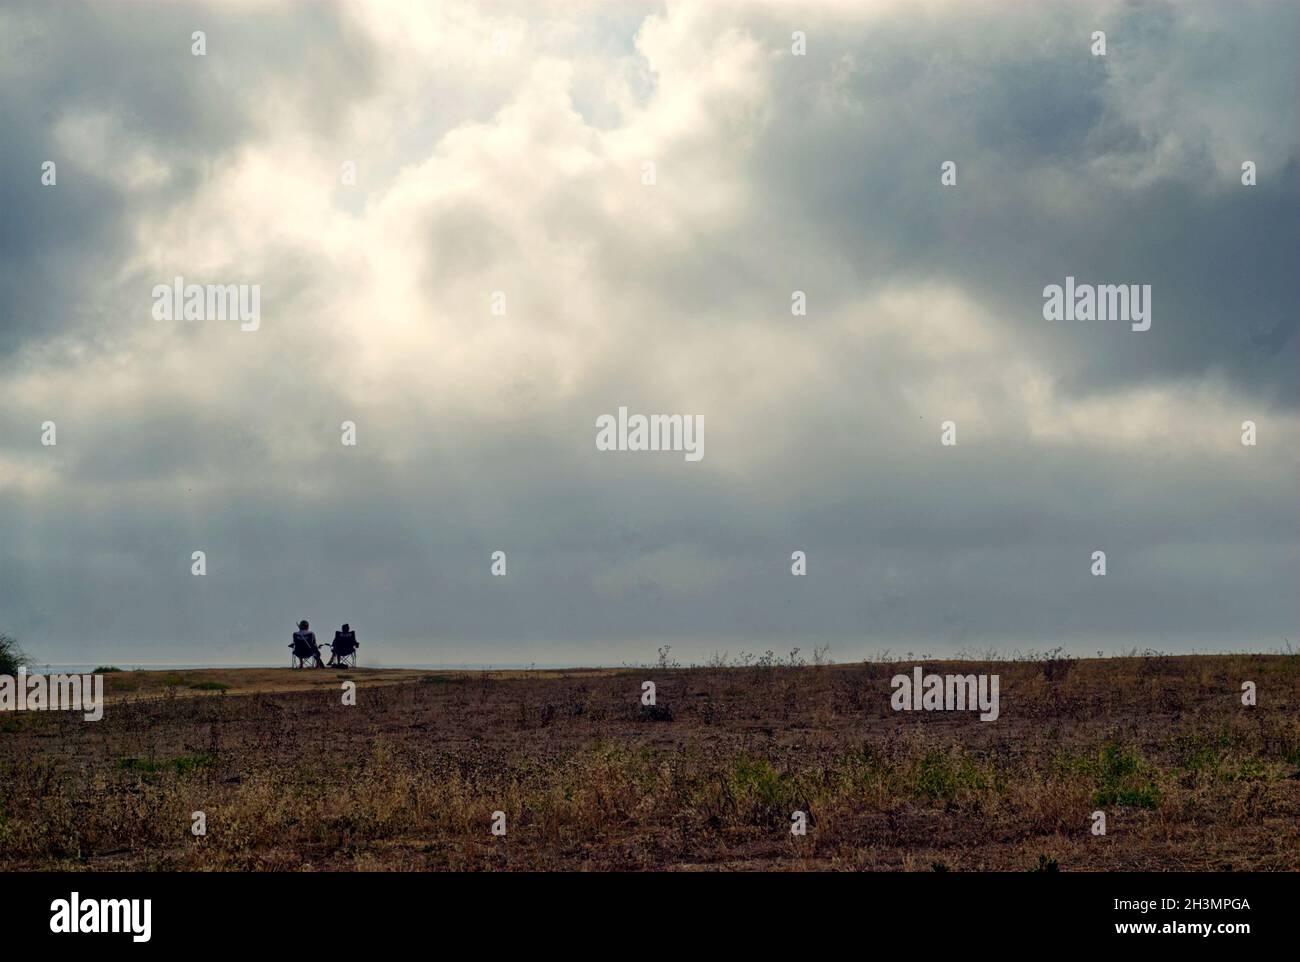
<point>345,643</point>
<point>304,644</point>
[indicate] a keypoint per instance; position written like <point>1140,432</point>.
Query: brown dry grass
<point>588,778</point>
<point>120,685</point>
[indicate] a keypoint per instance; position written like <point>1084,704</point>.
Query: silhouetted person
<point>345,643</point>
<point>304,644</point>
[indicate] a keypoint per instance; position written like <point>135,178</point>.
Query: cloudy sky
<point>503,148</point>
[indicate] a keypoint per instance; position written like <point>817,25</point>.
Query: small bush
<point>763,794</point>
<point>945,775</point>
<point>11,656</point>
<point>183,765</point>
<point>1250,770</point>
<point>1056,665</point>
<point>1120,781</point>
<point>656,713</point>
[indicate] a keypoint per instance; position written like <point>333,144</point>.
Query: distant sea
<point>85,669</point>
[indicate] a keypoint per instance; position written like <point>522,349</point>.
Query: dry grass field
<point>589,778</point>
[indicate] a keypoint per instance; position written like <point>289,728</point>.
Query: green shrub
<point>763,794</point>
<point>1249,770</point>
<point>182,765</point>
<point>946,775</point>
<point>1119,774</point>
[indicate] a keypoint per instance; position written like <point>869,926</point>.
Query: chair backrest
<point>301,644</point>
<point>345,642</point>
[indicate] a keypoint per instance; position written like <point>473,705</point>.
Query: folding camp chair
<point>344,648</point>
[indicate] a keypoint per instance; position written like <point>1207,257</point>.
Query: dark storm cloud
<point>1220,257</point>
<point>1029,116</point>
<point>131,65</point>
